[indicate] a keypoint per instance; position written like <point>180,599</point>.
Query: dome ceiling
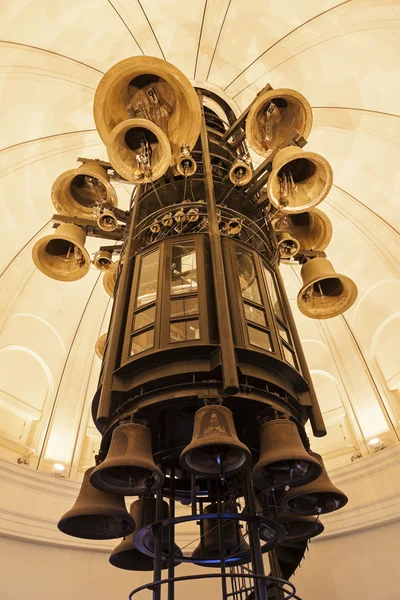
<point>342,56</point>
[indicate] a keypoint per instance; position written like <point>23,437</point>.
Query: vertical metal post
<point>171,538</point>
<point>228,358</point>
<point>221,545</point>
<point>158,547</point>
<point>260,588</point>
<point>316,418</point>
<point>115,336</point>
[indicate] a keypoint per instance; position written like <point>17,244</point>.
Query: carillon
<point>204,391</point>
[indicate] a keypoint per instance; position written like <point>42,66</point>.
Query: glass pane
<point>147,290</point>
<point>142,341</point>
<point>271,285</point>
<point>180,307</point>
<point>283,332</point>
<point>259,338</point>
<point>247,276</point>
<point>183,268</point>
<point>144,317</point>
<point>183,331</point>
<point>289,356</point>
<point>254,314</point>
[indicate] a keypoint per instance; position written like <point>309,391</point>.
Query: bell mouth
<point>95,527</point>
<point>87,191</point>
<point>215,460</point>
<point>286,472</point>
<point>314,504</point>
<point>127,479</point>
<point>330,288</point>
<point>62,256</point>
<point>151,97</point>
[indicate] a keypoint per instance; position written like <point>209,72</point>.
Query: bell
<point>240,173</point>
<point>186,165</point>
<point>325,293</point>
<point>215,449</point>
<point>287,245</point>
<point>107,221</point>
<point>180,216</point>
<point>128,468</point>
<point>283,459</point>
<point>193,215</point>
<point>110,278</point>
<point>299,528</point>
<point>167,220</point>
<point>62,255</point>
<point>234,226</point>
<point>233,540</point>
<point>155,226</point>
<point>274,116</point>
<point>96,515</point>
<point>312,229</point>
<point>317,497</point>
<point>77,192</point>
<point>139,150</point>
<point>102,260</point>
<point>149,88</point>
<point>299,180</point>
<point>101,346</point>
<point>126,555</point>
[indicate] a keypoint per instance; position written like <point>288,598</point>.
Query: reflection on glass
<point>254,314</point>
<point>183,331</point>
<point>180,307</point>
<point>247,275</point>
<point>144,317</point>
<point>289,356</point>
<point>183,268</point>
<point>276,303</point>
<point>283,332</point>
<point>147,290</point>
<point>142,341</point>
<point>259,338</point>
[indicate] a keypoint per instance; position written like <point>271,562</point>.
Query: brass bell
<point>126,555</point>
<point>186,165</point>
<point>129,467</point>
<point>193,215</point>
<point>96,515</point>
<point>110,278</point>
<point>299,180</point>
<point>62,255</point>
<point>234,226</point>
<point>155,226</point>
<point>77,192</point>
<point>167,220</point>
<point>325,293</point>
<point>240,173</point>
<point>283,459</point>
<point>139,150</point>
<point>101,346</point>
<point>274,116</point>
<point>180,216</point>
<point>215,449</point>
<point>298,527</point>
<point>153,89</point>
<point>233,540</point>
<point>317,497</point>
<point>102,260</point>
<point>312,229</point>
<point>287,245</point>
<point>107,221</point>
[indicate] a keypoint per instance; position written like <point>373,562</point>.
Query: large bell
<point>209,549</point>
<point>139,150</point>
<point>274,116</point>
<point>215,449</point>
<point>96,515</point>
<point>110,278</point>
<point>317,497</point>
<point>62,255</point>
<point>77,192</point>
<point>126,555</point>
<point>129,467</point>
<point>149,88</point>
<point>299,180</point>
<point>283,459</point>
<point>298,527</point>
<point>325,293</point>
<point>312,229</point>
<point>101,346</point>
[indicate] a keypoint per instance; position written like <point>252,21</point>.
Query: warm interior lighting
<point>376,443</point>
<point>58,469</point>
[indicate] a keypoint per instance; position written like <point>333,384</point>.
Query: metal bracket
<point>90,226</point>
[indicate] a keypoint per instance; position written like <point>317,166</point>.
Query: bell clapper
<point>143,159</point>
<point>268,123</point>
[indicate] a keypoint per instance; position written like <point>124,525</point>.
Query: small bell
<point>101,346</point>
<point>107,221</point>
<point>240,173</point>
<point>102,260</point>
<point>287,245</point>
<point>215,449</point>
